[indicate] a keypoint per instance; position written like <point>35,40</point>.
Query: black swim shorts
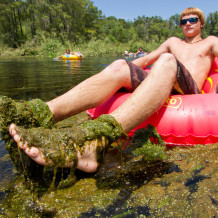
<point>185,83</point>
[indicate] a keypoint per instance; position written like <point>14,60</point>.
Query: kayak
<point>71,57</point>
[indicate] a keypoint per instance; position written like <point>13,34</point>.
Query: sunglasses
<point>191,20</point>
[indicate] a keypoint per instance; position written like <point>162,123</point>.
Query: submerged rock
<point>189,192</point>
<point>180,182</point>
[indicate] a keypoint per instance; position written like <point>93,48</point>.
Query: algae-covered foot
<point>28,114</point>
<point>82,147</point>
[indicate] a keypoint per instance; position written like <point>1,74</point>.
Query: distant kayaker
<point>68,52</point>
<point>140,52</point>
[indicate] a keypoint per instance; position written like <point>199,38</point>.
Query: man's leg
<point>144,101</point>
<point>92,92</point>
<point>150,95</point>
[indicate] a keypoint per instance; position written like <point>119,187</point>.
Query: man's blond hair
<point>196,11</point>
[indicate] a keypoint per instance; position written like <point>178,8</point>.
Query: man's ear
<point>202,25</point>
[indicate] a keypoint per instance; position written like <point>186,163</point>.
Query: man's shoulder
<point>170,43</point>
<point>211,41</point>
<point>173,39</point>
<point>211,38</point>
<point>214,38</point>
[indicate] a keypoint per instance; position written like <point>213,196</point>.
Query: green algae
<point>166,194</point>
<point>24,113</point>
<point>68,202</point>
<point>141,160</point>
<point>105,125</point>
<point>61,144</point>
<point>69,181</point>
<point>27,114</point>
<point>186,193</point>
<point>145,135</point>
<point>151,150</point>
<point>41,113</point>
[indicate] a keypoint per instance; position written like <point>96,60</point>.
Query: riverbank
<point>54,48</point>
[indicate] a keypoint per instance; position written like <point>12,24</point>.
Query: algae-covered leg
<point>23,113</point>
<point>44,146</point>
<point>82,147</point>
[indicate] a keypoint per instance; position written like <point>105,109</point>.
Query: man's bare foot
<point>85,159</point>
<point>32,152</point>
<point>82,147</point>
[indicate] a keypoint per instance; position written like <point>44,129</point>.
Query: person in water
<point>140,52</point>
<point>178,64</point>
<point>68,52</point>
<point>128,54</point>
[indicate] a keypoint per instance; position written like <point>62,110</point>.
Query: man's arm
<point>154,55</point>
<point>214,46</point>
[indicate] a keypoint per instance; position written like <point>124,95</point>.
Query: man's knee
<point>167,59</point>
<point>119,71</point>
<point>168,63</point>
<point>165,67</point>
<point>119,65</point>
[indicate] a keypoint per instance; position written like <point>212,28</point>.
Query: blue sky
<point>130,9</point>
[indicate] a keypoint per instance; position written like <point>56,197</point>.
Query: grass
<point>45,47</point>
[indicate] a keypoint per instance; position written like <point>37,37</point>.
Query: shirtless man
<point>149,93</point>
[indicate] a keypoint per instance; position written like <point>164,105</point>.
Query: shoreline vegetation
<point>54,48</point>
<point>47,28</point>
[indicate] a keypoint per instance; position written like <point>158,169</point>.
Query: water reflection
<point>27,78</point>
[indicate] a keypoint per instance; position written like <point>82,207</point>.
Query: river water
<point>184,186</point>
<point>45,78</point>
<point>27,78</point>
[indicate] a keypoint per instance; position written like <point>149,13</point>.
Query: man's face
<point>191,27</point>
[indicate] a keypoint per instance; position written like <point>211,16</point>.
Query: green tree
<point>115,29</point>
<point>33,22</point>
<point>142,27</point>
<point>174,26</point>
<point>11,22</point>
<point>211,25</point>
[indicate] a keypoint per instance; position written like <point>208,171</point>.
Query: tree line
<point>79,21</point>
